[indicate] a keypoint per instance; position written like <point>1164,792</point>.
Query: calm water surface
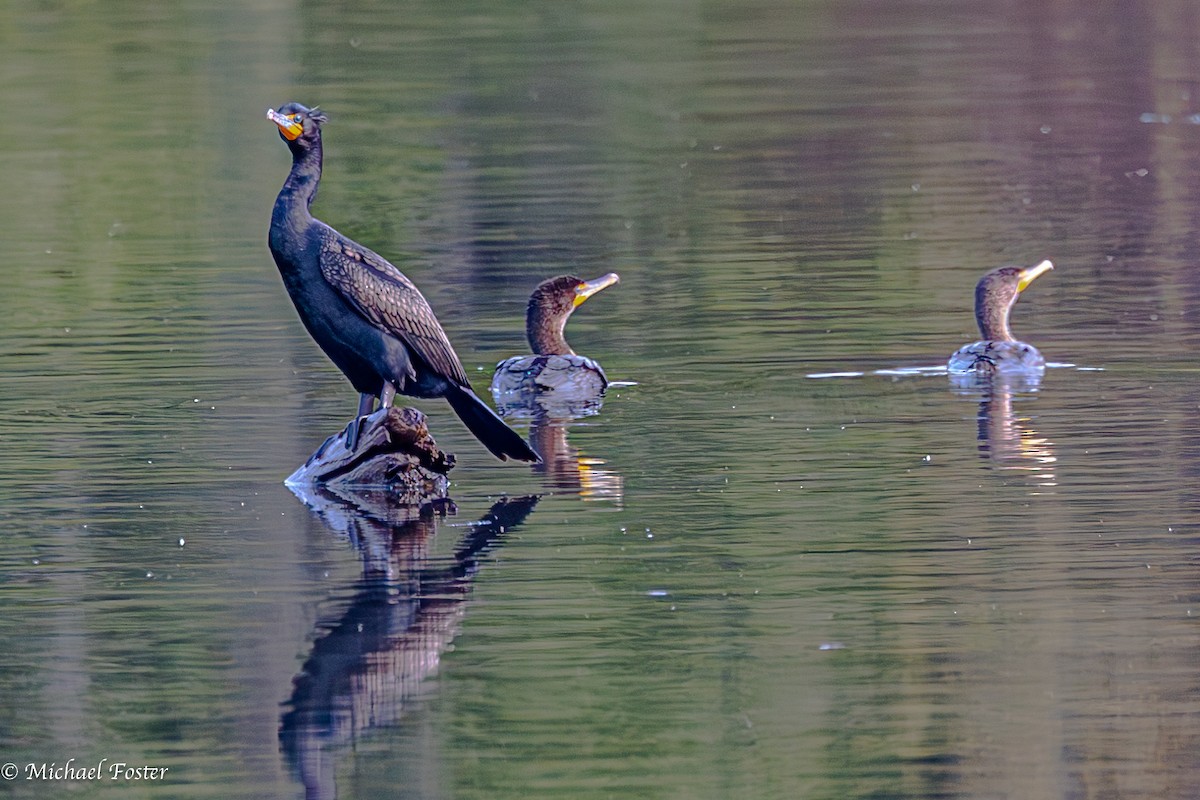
<point>737,580</point>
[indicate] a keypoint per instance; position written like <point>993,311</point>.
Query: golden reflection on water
<point>1010,441</point>
<point>565,469</point>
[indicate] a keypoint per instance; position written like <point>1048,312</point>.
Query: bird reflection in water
<point>563,467</point>
<point>1007,440</point>
<point>368,663</point>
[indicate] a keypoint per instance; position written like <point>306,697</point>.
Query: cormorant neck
<point>545,331</point>
<point>291,218</point>
<point>992,315</point>
<point>300,188</point>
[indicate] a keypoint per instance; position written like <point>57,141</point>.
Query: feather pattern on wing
<point>386,297</point>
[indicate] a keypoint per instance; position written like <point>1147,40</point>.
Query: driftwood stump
<point>395,453</point>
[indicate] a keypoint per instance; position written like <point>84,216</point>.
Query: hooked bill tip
<point>1031,274</point>
<point>589,288</point>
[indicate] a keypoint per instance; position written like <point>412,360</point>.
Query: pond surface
<point>786,559</point>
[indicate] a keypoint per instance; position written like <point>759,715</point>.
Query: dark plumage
<point>369,318</point>
<point>554,367</point>
<point>998,350</point>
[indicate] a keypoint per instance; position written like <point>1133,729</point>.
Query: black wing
<point>386,297</point>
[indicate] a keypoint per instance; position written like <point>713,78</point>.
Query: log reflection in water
<point>405,611</point>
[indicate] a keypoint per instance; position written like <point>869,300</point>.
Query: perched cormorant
<point>554,366</point>
<point>369,318</point>
<point>998,350</point>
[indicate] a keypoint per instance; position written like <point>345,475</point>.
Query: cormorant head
<point>996,293</point>
<point>558,297</point>
<point>552,302</point>
<point>300,127</point>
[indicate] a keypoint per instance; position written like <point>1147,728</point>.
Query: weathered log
<point>395,453</point>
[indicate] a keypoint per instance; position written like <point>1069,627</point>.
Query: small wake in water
<point>929,371</point>
<point>894,372</point>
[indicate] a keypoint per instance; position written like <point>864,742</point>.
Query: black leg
<point>366,404</point>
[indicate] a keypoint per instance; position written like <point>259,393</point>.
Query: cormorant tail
<point>501,440</point>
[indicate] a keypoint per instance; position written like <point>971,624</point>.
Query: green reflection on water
<point>785,189</point>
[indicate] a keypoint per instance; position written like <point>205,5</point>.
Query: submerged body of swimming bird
<point>554,372</point>
<point>367,316</point>
<point>999,352</point>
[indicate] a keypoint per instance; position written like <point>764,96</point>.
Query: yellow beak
<point>588,288</point>
<point>1030,274</point>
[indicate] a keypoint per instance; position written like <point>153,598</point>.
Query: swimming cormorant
<point>998,350</point>
<point>554,366</point>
